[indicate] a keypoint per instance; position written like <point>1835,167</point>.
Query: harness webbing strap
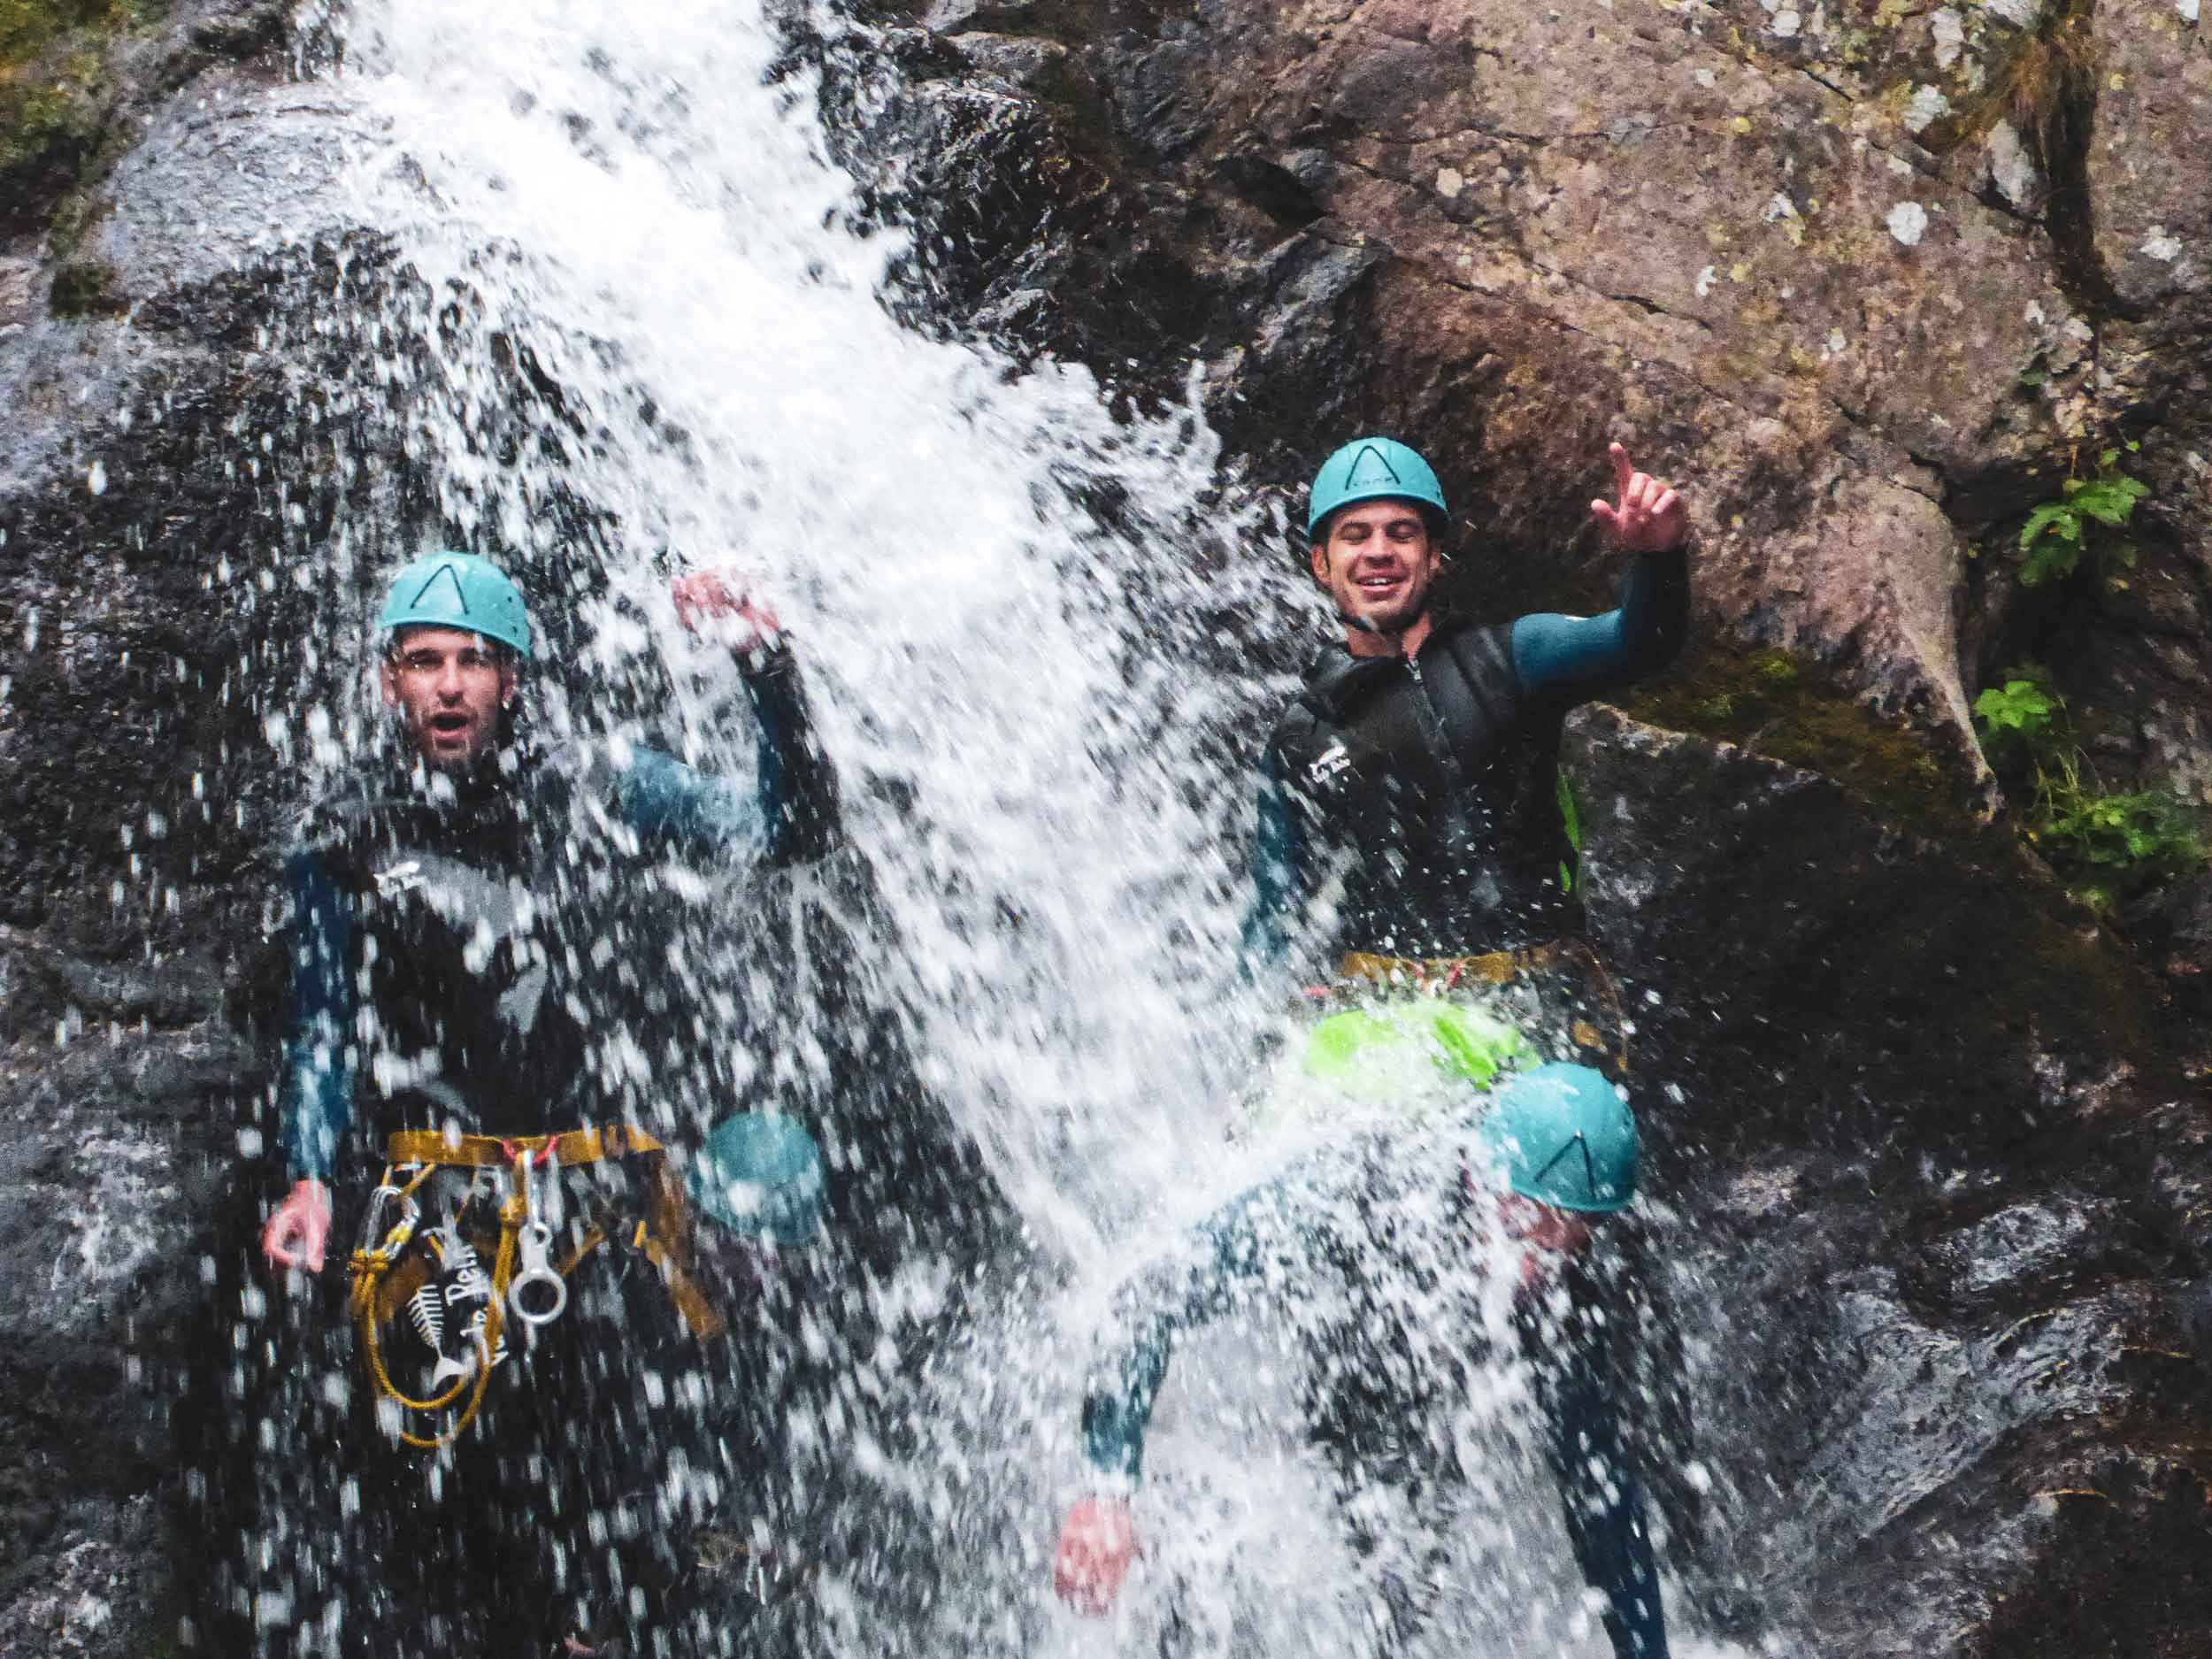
<point>477,1152</point>
<point>664,1236</point>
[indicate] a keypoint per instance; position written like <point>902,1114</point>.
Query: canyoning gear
<point>1379,1052</point>
<point>1098,1545</point>
<point>395,1261</point>
<point>1562,1135</point>
<point>457,590</point>
<point>1429,782</point>
<point>1596,1025</point>
<point>760,1174</point>
<point>536,1295</point>
<point>449,1312</point>
<point>1370,468</point>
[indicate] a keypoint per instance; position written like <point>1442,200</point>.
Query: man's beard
<point>1391,622</point>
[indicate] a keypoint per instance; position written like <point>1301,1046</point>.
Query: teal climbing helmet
<point>760,1175</point>
<point>1373,469</point>
<point>457,590</point>
<point>1563,1136</point>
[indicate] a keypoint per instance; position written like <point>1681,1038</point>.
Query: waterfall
<point>637,323</point>
<point>637,197</point>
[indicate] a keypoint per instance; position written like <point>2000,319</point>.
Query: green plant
<point>2021,713</point>
<point>2058,532</point>
<point>1570,820</point>
<point>2106,846</point>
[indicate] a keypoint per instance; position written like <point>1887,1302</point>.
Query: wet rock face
<point>140,507</point>
<point>1958,1354</point>
<point>1871,283</point>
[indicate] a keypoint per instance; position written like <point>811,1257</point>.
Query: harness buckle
<point>537,1294</point>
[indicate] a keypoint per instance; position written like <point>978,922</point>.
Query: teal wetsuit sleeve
<point>1268,1237</point>
<point>1278,875</point>
<point>1574,658</point>
<point>790,818</point>
<point>660,797</point>
<point>315,1101</point>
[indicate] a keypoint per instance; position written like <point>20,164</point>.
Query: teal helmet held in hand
<point>760,1174</point>
<point>457,590</point>
<point>1563,1136</point>
<point>1375,468</point>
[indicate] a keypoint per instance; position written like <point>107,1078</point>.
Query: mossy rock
<point>1778,706</point>
<point>59,91</point>
<point>85,287</point>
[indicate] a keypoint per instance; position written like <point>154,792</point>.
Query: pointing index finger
<point>1622,470</point>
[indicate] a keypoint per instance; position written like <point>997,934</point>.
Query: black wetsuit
<point>1414,790</point>
<point>457,948</point>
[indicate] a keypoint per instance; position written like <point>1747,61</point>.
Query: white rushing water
<point>634,196</point>
<point>1002,685</point>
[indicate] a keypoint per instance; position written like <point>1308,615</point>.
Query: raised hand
<point>1098,1542</point>
<point>1650,516</point>
<point>706,602</point>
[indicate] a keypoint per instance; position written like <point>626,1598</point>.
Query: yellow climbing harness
<point>385,1273</point>
<point>1573,956</point>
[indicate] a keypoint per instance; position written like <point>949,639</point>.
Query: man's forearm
<point>798,786</point>
<point>315,1099</point>
<point>1267,1236</point>
<point>1578,657</point>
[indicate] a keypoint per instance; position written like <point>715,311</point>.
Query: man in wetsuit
<point>450,1014</point>
<point>1407,818</point>
<point>1361,1244</point>
<point>1411,766</point>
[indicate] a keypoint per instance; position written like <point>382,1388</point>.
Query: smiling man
<point>1409,776</point>
<point>1408,835</point>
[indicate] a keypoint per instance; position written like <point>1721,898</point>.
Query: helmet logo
<point>1362,478</point>
<point>1590,1182</point>
<point>445,573</point>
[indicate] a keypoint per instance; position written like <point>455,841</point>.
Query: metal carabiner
<point>537,1294</point>
<point>374,1235</point>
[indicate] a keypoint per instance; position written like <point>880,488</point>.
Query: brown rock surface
<point>1804,259</point>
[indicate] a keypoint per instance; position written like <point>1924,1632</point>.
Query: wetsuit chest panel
<point>455,964</point>
<point>1406,773</point>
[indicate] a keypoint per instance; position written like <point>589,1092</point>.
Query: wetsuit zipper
<point>1433,730</point>
<point>1458,832</point>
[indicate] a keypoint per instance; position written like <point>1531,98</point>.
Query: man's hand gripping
<point>299,1230</point>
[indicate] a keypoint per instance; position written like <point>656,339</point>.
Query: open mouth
<point>449,723</point>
